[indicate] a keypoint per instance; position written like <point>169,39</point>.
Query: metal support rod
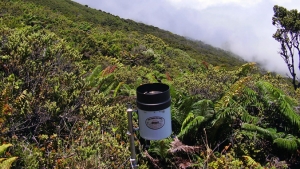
<point>133,160</point>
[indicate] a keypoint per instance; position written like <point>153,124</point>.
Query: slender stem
<point>131,138</point>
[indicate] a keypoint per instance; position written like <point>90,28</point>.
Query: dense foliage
<point>68,71</point>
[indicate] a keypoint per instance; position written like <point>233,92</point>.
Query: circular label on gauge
<point>155,122</point>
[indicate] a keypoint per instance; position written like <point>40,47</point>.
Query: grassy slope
<point>196,49</point>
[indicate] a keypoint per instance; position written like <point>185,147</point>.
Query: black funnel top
<point>153,97</point>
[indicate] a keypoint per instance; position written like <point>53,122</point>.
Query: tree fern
<point>236,101</point>
<point>284,103</point>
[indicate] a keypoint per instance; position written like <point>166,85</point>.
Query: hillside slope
<point>197,49</point>
<point>67,73</point>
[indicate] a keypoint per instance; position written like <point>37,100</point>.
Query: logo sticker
<point>155,122</point>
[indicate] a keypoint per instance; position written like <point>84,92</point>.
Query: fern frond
<point>203,104</point>
<point>245,69</point>
<point>275,92</point>
<point>203,107</point>
<point>6,164</point>
<point>249,118</point>
<point>187,120</point>
<point>288,143</point>
<point>236,89</point>
<point>107,90</point>
<point>264,132</point>
<point>195,123</point>
<point>92,79</point>
<point>223,103</point>
<point>151,78</point>
<point>251,163</point>
<point>285,104</point>
<point>22,96</point>
<point>102,80</point>
<point>239,85</point>
<point>2,159</point>
<point>160,148</point>
<point>128,90</point>
<point>117,89</point>
<point>4,147</point>
<point>287,110</point>
<point>249,97</point>
<point>235,109</point>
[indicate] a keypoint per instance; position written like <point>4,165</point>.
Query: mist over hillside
<point>241,27</point>
<point>197,49</point>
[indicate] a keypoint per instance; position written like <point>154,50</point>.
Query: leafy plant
<point>6,163</point>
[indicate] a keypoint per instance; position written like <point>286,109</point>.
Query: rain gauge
<point>153,103</point>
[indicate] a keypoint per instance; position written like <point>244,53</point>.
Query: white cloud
<point>242,26</point>
<point>202,4</point>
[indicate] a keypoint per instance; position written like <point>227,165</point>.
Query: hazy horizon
<point>243,27</point>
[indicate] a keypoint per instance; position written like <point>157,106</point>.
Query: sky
<point>243,27</point>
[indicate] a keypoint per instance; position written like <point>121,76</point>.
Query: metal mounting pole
<point>133,160</point>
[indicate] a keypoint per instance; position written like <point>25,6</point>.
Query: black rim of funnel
<point>153,96</point>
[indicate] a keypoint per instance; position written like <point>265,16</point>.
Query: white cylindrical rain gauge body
<point>153,102</point>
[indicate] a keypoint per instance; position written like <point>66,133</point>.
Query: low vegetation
<point>67,72</point>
